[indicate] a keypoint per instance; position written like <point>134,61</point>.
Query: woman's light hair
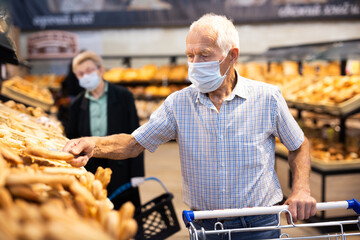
<point>227,35</point>
<point>87,55</point>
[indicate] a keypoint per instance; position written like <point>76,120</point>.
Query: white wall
<point>254,38</point>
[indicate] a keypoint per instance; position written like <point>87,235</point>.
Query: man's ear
<point>234,55</point>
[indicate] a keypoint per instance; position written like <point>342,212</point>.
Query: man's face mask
<point>89,81</point>
<point>206,76</point>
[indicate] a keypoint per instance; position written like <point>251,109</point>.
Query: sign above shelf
<point>61,14</point>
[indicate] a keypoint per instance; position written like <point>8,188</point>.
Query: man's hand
<point>82,149</point>
<point>301,205</point>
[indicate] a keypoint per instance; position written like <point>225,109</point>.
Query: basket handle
<point>135,182</point>
<point>189,216</point>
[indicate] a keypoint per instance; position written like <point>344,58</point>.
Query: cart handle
<point>189,216</point>
<point>135,182</point>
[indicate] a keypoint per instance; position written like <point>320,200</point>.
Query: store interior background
<point>254,39</point>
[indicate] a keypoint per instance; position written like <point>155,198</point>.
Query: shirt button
<point>221,137</point>
<point>223,190</point>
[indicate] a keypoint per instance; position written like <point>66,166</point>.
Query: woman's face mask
<point>90,81</point>
<point>206,76</point>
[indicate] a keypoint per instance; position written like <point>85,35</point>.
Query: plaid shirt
<point>227,156</point>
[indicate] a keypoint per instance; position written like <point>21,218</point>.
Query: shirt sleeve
<point>286,128</point>
<point>160,129</point>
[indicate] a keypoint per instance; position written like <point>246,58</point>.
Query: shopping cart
<point>190,216</point>
<point>157,218</point>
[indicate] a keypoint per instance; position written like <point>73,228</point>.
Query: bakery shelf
<point>341,109</point>
<point>12,94</point>
<point>152,83</point>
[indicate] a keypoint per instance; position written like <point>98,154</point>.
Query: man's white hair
<point>227,35</point>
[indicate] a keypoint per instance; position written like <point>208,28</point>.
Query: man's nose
<point>197,59</point>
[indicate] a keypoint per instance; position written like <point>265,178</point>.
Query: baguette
<point>126,211</point>
<point>127,228</point>
<point>27,193</point>
<point>63,170</point>
<point>9,155</point>
<point>28,178</point>
<point>6,201</point>
<point>104,175</point>
<point>47,153</point>
<point>77,189</point>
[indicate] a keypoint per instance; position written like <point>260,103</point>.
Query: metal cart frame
<point>189,216</point>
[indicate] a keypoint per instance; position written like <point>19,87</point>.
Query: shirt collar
<point>239,90</point>
<point>90,97</point>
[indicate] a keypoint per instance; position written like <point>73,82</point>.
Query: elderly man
<point>104,109</point>
<point>225,126</point>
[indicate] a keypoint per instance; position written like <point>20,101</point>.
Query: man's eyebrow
<point>202,51</point>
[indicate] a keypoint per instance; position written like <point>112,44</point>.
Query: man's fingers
<point>78,148</point>
<point>308,208</point>
<point>81,149</point>
<point>69,145</point>
<point>300,211</point>
<point>79,161</point>
<point>313,209</point>
<point>293,210</point>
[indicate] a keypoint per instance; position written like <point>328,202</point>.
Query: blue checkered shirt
<point>227,156</point>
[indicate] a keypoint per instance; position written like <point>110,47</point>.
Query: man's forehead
<point>200,39</point>
<point>201,34</point>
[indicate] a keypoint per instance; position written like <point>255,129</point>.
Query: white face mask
<point>89,81</point>
<point>206,76</point>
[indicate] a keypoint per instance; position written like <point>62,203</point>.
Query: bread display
<point>162,73</point>
<point>146,108</point>
<point>154,91</point>
<point>26,92</point>
<point>43,197</point>
<point>332,152</point>
<point>178,73</point>
<point>320,82</point>
<point>290,68</point>
<point>51,81</point>
<point>130,74</point>
<point>325,90</point>
<point>352,67</point>
<point>329,153</point>
<point>147,73</point>
<point>318,87</point>
<point>114,75</point>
